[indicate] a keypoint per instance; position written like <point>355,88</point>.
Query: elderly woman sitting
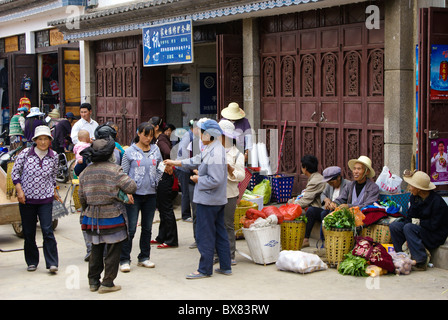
<point>426,223</point>
<point>361,192</point>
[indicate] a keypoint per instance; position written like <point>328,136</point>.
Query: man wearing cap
<point>237,116</point>
<point>426,224</point>
<point>361,192</point>
<point>85,123</point>
<point>210,195</point>
<point>61,133</point>
<point>335,183</point>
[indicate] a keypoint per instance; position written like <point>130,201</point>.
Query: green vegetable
<point>353,265</point>
<point>342,218</point>
<point>302,218</point>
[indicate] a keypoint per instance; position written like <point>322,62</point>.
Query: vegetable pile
<point>340,218</point>
<point>353,265</point>
<point>402,263</point>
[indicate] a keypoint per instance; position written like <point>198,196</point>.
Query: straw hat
<point>419,180</point>
<point>42,131</point>
<point>233,112</point>
<point>228,129</point>
<point>54,114</point>
<point>365,161</point>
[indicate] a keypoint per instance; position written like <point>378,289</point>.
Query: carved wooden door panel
<point>20,65</point>
<point>327,83</point>
<point>117,75</point>
<point>70,83</point>
<point>230,70</point>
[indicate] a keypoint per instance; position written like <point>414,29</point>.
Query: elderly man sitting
<point>335,184</point>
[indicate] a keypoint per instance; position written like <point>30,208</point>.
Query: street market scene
<point>230,151</point>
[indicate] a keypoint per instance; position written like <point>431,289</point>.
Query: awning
<point>130,18</point>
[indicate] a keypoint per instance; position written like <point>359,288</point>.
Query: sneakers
<point>31,267</point>
<point>53,269</point>
<point>146,264</point>
<point>125,267</point>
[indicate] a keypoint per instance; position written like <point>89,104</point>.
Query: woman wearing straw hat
<point>34,176</point>
<point>237,116</point>
<point>361,192</point>
<point>426,223</point>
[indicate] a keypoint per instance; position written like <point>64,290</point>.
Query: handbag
<point>59,209</point>
<point>373,252</point>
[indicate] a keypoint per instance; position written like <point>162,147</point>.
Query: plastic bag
<point>263,189</point>
<point>359,216</point>
<point>402,262</point>
<point>389,182</point>
<point>290,211</point>
<point>274,210</point>
<point>299,261</point>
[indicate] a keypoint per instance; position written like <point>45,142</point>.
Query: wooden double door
<point>326,85</point>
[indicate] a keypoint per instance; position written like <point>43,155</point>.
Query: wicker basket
<point>10,188</point>
<point>338,242</point>
<point>70,156</point>
<point>75,195</point>
<point>292,235</point>
<point>378,232</point>
<point>240,212</point>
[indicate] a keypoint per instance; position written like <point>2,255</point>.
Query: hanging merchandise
<point>26,83</point>
<point>54,87</point>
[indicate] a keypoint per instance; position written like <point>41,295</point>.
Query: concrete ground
<point>167,281</point>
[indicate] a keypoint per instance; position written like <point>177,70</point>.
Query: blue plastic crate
<point>256,179</point>
<point>281,185</point>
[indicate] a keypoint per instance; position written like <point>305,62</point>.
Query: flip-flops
<point>196,275</point>
<point>165,246</point>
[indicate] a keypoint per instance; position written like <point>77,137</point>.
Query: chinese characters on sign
<point>439,72</point>
<point>169,43</point>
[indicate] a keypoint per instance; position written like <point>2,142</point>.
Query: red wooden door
<point>230,70</point>
<point>327,83</point>
<point>20,65</point>
<point>432,112</point>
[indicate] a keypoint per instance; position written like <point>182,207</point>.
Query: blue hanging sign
<point>169,43</point>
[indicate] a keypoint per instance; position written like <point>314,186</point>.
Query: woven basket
<point>70,156</point>
<point>75,195</point>
<point>338,242</point>
<point>292,235</point>
<point>240,212</point>
<point>10,188</point>
<point>378,232</point>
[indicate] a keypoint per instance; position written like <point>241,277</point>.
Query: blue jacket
<point>211,189</point>
<point>143,168</point>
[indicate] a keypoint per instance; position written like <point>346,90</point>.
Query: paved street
<point>167,281</point>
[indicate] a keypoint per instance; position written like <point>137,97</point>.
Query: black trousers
<point>109,262</point>
<point>168,226</point>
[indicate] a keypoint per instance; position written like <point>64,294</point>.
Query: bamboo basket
<point>240,212</point>
<point>338,242</point>
<point>10,188</point>
<point>378,232</point>
<point>292,235</point>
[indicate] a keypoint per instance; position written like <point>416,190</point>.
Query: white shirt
<point>436,161</point>
<point>82,124</point>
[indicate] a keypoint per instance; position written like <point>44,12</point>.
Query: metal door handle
<point>322,117</point>
<point>312,116</point>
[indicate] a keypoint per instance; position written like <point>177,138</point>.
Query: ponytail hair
<point>156,121</point>
<point>146,128</point>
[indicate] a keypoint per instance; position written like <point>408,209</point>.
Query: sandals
<point>165,246</point>
<point>196,275</point>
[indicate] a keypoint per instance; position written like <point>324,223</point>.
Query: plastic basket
<point>255,179</point>
<point>263,244</point>
<point>378,232</point>
<point>292,235</point>
<point>338,242</point>
<point>400,198</point>
<point>240,212</point>
<point>281,187</point>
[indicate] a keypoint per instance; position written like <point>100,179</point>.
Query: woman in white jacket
<point>235,174</point>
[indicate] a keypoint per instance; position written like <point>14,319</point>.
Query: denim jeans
<point>315,214</point>
<point>401,232</point>
<point>210,235</point>
<point>29,214</point>
<point>146,204</point>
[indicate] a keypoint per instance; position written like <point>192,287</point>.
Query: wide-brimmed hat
<point>211,127</point>
<point>419,180</point>
<point>233,112</point>
<point>42,131</point>
<point>228,129</point>
<point>365,161</point>
<point>54,114</point>
<point>331,173</point>
<point>34,112</point>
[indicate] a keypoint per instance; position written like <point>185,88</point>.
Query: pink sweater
<point>78,148</point>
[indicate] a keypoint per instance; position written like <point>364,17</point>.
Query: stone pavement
<point>167,281</point>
